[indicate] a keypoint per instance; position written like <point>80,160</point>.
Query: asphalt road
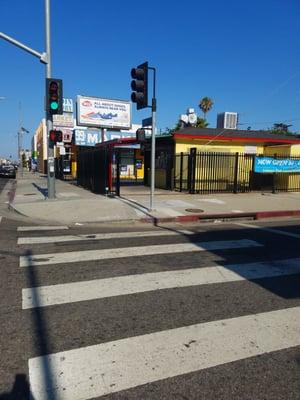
<point>113,332</point>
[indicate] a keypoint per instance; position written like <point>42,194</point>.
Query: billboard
<point>103,113</point>
<point>269,164</point>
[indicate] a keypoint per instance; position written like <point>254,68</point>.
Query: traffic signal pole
<point>49,123</point>
<point>140,96</point>
<point>45,58</point>
<point>152,185</point>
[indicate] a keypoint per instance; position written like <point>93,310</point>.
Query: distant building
<point>227,120</point>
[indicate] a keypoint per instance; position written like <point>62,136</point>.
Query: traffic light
<point>54,137</point>
<point>140,135</point>
<point>139,85</point>
<point>54,96</point>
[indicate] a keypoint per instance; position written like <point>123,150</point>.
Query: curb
<point>223,216</point>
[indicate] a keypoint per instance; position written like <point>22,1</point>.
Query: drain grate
<point>29,194</point>
<point>194,210</point>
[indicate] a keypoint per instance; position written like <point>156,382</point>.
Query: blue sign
<point>270,164</point>
<point>87,137</point>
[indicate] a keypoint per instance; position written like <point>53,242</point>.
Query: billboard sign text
<point>103,113</point>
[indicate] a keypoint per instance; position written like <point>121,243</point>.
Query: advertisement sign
<point>65,119</point>
<point>119,135</point>
<point>68,105</point>
<point>87,137</point>
<point>103,113</point>
<point>270,164</point>
<point>67,135</point>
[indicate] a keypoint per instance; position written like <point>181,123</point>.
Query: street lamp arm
<point>41,56</point>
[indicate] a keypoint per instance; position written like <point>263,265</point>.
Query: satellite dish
<point>192,118</point>
<point>184,118</point>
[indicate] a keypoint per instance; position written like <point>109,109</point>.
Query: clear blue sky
<point>245,55</point>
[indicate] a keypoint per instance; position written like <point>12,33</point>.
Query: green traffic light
<point>54,105</point>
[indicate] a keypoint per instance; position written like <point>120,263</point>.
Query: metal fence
<point>92,170</point>
<point>212,172</point>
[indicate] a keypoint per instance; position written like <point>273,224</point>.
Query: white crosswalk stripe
<point>106,368</point>
<point>101,288</point>
<point>98,368</point>
<point>90,255</point>
<point>41,228</point>
<point>99,236</point>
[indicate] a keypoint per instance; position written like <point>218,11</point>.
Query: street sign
<point>147,122</point>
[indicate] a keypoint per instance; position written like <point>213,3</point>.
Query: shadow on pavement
<point>44,191</point>
<point>20,390</point>
<point>41,330</point>
<point>282,279</point>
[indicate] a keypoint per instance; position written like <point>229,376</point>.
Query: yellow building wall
<point>140,171</point>
<point>295,150</point>
<point>74,161</point>
<point>74,169</point>
<point>286,181</point>
<point>221,169</point>
<point>184,146</point>
<point>278,150</point>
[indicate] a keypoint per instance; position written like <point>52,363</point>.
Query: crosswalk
<point>95,270</point>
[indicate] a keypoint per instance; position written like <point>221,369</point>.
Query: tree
<point>281,129</point>
<point>201,123</point>
<point>205,105</point>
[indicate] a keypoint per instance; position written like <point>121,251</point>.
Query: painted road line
<point>105,254</point>
<point>106,368</point>
<point>100,236</point>
<point>278,231</point>
<point>41,228</point>
<point>124,285</point>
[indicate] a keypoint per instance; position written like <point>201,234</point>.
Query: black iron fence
<point>208,172</point>
<point>93,170</point>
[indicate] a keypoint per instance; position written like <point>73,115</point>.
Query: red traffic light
<point>55,136</point>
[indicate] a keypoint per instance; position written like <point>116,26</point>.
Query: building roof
<point>234,134</point>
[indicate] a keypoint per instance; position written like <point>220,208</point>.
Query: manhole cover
<point>194,210</point>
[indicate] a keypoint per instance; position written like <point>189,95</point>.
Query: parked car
<point>7,171</point>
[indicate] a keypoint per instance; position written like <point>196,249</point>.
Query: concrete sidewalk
<point>74,204</point>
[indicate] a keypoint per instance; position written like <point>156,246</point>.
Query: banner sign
<point>65,119</point>
<point>270,164</point>
<point>103,113</point>
<point>87,137</point>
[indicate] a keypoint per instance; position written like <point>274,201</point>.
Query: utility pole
<point>49,123</point>
<point>45,58</point>
<point>152,187</point>
<point>20,133</point>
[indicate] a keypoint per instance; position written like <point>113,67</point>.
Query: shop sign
<point>271,165</point>
<point>65,119</point>
<point>87,137</point>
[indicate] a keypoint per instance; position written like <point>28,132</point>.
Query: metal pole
<point>152,187</point>
<point>20,133</point>
<point>50,155</point>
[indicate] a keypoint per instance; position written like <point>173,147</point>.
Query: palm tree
<point>205,105</point>
<point>201,123</point>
